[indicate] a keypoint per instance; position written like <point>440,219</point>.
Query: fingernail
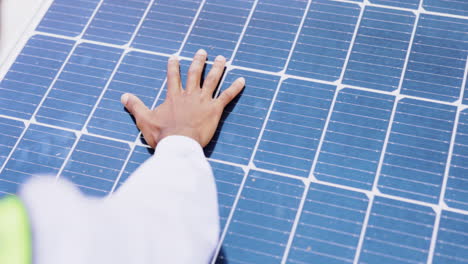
<point>219,58</point>
<point>242,80</point>
<point>173,58</point>
<point>124,99</point>
<point>201,52</point>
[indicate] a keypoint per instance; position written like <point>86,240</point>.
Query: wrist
<point>181,132</point>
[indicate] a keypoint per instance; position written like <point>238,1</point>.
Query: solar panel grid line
<point>296,221</point>
<point>435,234</point>
<point>15,145</point>
<point>229,218</point>
<point>133,147</point>
<point>437,59</point>
<point>234,28</point>
<point>132,37</point>
<point>31,74</point>
<point>271,192</point>
<point>453,139</point>
<point>455,195</point>
<point>411,4</point>
<point>452,232</point>
<point>365,222</point>
<point>195,18</point>
<point>420,9</point>
<point>357,127</point>
<point>428,150</point>
<point>72,98</point>
<point>331,213</point>
<point>257,28</point>
<point>95,164</point>
<point>323,41</point>
<point>298,77</point>
<point>339,87</point>
<point>228,180</point>
<point>72,149</point>
<point>407,228</point>
<point>397,91</point>
<point>293,46</point>
<point>28,122</point>
<point>233,67</point>
<point>389,128</point>
<point>294,127</point>
<point>244,29</point>
<point>75,45</point>
<point>383,39</point>
<point>107,16</point>
<point>40,151</point>
<point>281,81</point>
<point>452,14</point>
<point>138,155</point>
<point>441,203</point>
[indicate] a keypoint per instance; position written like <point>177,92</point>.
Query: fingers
<point>214,76</point>
<point>229,94</point>
<point>137,108</point>
<point>195,71</point>
<point>173,76</point>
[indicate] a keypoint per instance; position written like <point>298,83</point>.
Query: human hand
<point>190,112</point>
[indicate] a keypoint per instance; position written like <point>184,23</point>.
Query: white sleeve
<point>166,212</point>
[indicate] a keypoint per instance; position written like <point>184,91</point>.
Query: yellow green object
<point>15,235</point>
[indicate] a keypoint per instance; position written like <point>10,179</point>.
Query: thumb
<point>137,108</point>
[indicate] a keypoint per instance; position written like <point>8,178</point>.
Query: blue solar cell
<point>270,34</point>
<point>457,182</point>
<point>42,150</point>
<point>116,20</point>
<point>438,57</point>
<point>324,40</point>
<point>10,131</point>
<point>262,220</point>
<point>28,79</point>
<point>397,232</point>
<point>456,7</point>
<point>354,139</point>
<point>79,86</point>
<point>294,127</point>
<point>228,180</point>
<point>412,4</point>
<point>243,118</point>
<point>218,27</point>
<point>452,239</point>
<point>166,25</point>
<point>68,17</point>
<point>330,226</point>
<point>417,150</point>
<point>139,155</point>
<point>138,73</point>
<point>95,164</point>
<point>380,49</point>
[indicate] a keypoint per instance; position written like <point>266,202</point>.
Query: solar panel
<point>348,144</point>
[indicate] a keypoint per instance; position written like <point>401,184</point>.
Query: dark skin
<point>190,112</point>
